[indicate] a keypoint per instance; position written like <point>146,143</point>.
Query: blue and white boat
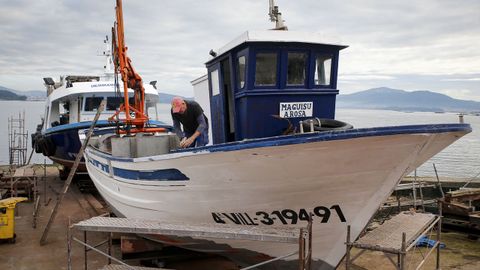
<point>272,161</point>
<point>70,107</point>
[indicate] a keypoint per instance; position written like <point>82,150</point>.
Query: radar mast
<point>276,16</point>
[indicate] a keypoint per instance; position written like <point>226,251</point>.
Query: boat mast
<point>107,53</point>
<point>131,79</point>
<point>276,16</point>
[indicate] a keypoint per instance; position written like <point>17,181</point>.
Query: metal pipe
<point>347,256</point>
<point>85,250</point>
<point>45,181</point>
<point>103,253</point>
<point>109,248</point>
<point>269,261</point>
<point>100,244</point>
<point>301,126</point>
<point>69,246</point>
<point>301,251</point>
<point>438,181</point>
<point>404,252</point>
<point>309,256</point>
<point>439,230</point>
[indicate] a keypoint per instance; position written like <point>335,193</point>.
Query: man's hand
<point>182,142</point>
<point>186,142</point>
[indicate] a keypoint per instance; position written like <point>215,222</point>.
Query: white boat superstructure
<point>71,105</point>
<point>75,98</point>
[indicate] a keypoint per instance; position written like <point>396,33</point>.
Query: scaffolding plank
<point>24,171</point>
<point>388,236</point>
<point>412,185</point>
<point>140,226</point>
<point>123,267</point>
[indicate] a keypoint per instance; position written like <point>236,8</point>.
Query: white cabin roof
<point>100,88</point>
<point>277,36</point>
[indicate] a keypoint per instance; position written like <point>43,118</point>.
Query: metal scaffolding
<point>17,140</point>
<point>398,236</point>
<point>300,236</point>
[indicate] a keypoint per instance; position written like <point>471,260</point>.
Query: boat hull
<point>340,177</point>
<point>62,143</point>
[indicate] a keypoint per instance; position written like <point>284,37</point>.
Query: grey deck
<point>139,226</point>
<point>388,236</point>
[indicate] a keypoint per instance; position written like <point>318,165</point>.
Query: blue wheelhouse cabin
<point>264,82</point>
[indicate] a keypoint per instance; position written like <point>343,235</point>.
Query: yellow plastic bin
<point>7,218</point>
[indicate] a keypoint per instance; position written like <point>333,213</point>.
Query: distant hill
<point>33,94</point>
<point>167,98</point>
<point>6,94</point>
<point>29,95</point>
<point>400,100</point>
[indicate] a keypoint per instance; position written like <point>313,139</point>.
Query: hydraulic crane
<point>131,79</point>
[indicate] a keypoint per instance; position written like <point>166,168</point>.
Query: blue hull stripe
<point>157,175</point>
<point>100,123</point>
<point>316,137</point>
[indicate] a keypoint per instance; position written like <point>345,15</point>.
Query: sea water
<point>459,160</point>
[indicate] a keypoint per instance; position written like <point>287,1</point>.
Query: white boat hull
<point>270,186</point>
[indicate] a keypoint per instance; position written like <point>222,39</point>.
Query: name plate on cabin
<point>296,109</point>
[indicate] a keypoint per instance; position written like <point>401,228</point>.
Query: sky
<point>410,44</point>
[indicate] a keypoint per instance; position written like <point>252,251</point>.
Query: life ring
<point>323,124</point>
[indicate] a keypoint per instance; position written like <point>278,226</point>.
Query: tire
<point>41,145</point>
<point>50,147</point>
<point>323,124</point>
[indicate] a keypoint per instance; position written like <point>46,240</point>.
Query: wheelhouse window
<point>296,68</point>
<point>241,72</point>
<point>215,82</point>
<point>113,103</point>
<point>92,103</point>
<point>266,69</point>
<point>323,68</point>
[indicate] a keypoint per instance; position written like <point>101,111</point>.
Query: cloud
<point>462,80</point>
<point>362,77</point>
<point>169,40</point>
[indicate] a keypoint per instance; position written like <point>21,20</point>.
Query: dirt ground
<point>460,252</point>
<point>27,253</point>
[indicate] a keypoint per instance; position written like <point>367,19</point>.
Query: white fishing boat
<point>71,105</point>
<point>272,162</point>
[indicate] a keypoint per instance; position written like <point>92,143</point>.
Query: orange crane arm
<point>131,79</point>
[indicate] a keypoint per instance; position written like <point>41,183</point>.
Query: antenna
<point>107,53</point>
<point>276,16</point>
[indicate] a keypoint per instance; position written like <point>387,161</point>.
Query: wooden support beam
<point>71,175</point>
